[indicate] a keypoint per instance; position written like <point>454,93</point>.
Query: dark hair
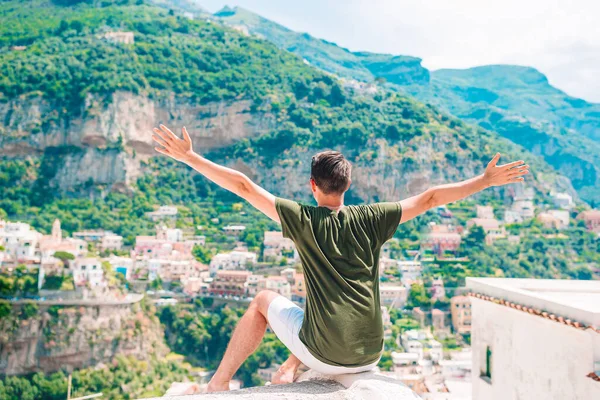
<point>331,172</point>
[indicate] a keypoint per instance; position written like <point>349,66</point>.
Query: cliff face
<point>77,337</point>
<point>106,143</point>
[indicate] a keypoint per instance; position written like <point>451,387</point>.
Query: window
<point>486,367</point>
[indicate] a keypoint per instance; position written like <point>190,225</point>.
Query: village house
<point>441,238</point>
<point>230,283</point>
<point>591,219</point>
<point>87,271</point>
<point>485,212</point>
<point>554,219</point>
<point>393,295</point>
<point>234,260</point>
<point>562,200</point>
<point>438,319</point>
<point>460,309</point>
<point>119,37</point>
<point>163,213</point>
<point>410,270</point>
<point>491,226</point>
<point>277,247</point>
<point>437,288</point>
<point>299,289</point>
<point>111,242</point>
<point>234,230</point>
<point>122,265</point>
<point>55,242</point>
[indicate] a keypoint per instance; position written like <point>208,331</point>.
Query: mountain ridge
<point>562,129</point>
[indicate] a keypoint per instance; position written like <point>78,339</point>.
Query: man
<point>341,330</point>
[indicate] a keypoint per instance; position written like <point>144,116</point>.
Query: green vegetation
<point>126,378</point>
<point>19,282</point>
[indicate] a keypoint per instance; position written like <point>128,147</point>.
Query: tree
<point>418,296</point>
<point>475,239</point>
<point>64,256</point>
<point>201,254</point>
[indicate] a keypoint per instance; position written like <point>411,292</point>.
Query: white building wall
<point>532,357</point>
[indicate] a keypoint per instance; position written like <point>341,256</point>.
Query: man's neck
<point>334,203</point>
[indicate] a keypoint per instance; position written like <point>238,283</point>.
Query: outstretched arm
<point>227,178</point>
<point>494,175</point>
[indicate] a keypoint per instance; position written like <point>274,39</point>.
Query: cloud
<point>560,38</point>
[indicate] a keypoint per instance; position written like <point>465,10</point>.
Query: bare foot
<point>217,387</point>
<point>283,375</point>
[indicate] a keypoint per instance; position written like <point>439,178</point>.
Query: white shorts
<point>285,319</point>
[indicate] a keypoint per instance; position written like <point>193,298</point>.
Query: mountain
<point>84,82</point>
<point>517,102</point>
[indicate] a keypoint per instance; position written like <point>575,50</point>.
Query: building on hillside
<point>234,230</point>
<point>20,242</point>
<point>111,242</point>
<point>288,274</point>
<point>253,284</point>
<point>163,213</point>
<point>535,339</point>
<point>411,272</point>
<point>554,219</point>
<point>119,37</point>
<point>87,271</point>
<point>460,309</point>
<point>169,234</point>
<point>591,219</point>
<point>277,247</point>
<point>563,200</point>
<point>122,265</point>
<point>195,286</point>
<point>524,208</point>
<point>230,283</point>
<point>234,260</point>
<point>435,350</point>
<point>437,288</point>
<point>485,212</point>
<point>393,295</point>
<point>419,315</point>
<point>277,284</point>
<point>441,238</point>
<point>299,289</point>
<point>438,319</point>
<point>55,242</point>
<point>512,217</point>
<point>492,228</point>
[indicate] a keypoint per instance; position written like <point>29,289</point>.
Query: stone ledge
<point>312,385</point>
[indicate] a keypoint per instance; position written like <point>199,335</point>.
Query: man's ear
<point>313,185</point>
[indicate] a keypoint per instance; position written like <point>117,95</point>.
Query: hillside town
<point>427,319</point>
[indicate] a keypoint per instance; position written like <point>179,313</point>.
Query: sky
<point>559,38</point>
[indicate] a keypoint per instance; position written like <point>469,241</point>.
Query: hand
<point>179,149</point>
<point>497,175</point>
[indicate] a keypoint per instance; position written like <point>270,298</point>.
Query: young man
<point>341,330</point>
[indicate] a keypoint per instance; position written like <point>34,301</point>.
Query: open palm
<point>171,145</point>
<point>497,175</point>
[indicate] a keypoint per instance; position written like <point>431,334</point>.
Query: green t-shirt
<point>339,251</point>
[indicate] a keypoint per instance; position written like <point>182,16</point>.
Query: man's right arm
<point>230,179</point>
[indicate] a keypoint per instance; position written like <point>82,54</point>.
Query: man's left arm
<point>494,175</point>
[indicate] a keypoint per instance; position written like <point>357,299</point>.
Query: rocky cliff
<point>76,336</point>
<point>107,141</point>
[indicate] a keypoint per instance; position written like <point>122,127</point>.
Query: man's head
<point>329,174</point>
